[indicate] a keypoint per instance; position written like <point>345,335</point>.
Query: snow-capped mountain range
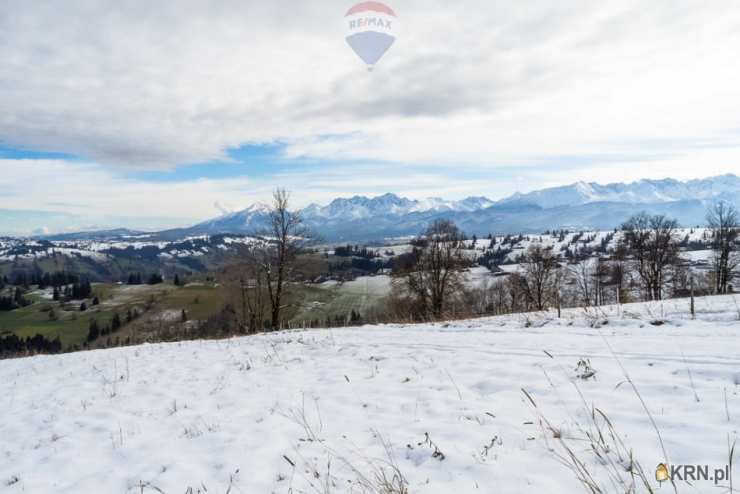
<point>360,207</point>
<point>640,192</point>
<point>579,206</point>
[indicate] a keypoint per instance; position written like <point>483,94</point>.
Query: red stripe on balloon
<point>374,6</point>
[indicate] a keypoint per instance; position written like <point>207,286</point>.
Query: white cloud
<point>475,98</point>
<point>95,194</point>
<point>479,83</point>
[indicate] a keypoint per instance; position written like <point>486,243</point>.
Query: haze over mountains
<point>641,192</point>
<point>577,206</point>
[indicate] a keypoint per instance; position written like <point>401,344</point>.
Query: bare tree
<point>516,290</point>
<point>541,276</point>
<point>491,297</point>
<point>723,220</point>
<point>619,271</point>
<point>651,242</point>
<point>248,288</point>
<point>587,275</point>
<point>285,237</point>
<point>602,274</point>
<point>434,276</point>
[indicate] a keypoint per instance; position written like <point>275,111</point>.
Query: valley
<point>336,285</point>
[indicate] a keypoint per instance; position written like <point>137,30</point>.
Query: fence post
<point>693,313</point>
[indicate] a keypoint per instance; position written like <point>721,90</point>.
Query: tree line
<point>646,264</point>
<point>13,345</point>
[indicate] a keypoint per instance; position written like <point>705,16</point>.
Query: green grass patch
<point>72,325</point>
<point>199,301</point>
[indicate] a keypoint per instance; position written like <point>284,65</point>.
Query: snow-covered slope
<point>323,410</point>
<point>640,192</point>
<point>141,247</point>
<point>252,219</point>
<point>360,207</point>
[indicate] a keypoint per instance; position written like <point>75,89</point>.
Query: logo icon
<point>371,31</point>
<point>661,473</point>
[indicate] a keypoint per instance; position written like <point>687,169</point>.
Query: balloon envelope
<point>370,46</point>
<point>370,31</point>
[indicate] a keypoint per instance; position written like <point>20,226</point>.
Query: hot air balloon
<point>370,31</point>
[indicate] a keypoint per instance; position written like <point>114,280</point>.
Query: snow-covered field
<point>98,250</point>
<point>330,411</point>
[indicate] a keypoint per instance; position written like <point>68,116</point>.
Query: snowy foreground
<point>335,410</point>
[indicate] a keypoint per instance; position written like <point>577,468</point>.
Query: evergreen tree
<point>355,317</point>
<point>155,279</point>
<point>93,331</point>
<point>134,279</point>
<point>115,324</point>
<point>45,281</point>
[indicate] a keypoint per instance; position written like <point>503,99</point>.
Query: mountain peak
<point>258,207</point>
<point>643,191</point>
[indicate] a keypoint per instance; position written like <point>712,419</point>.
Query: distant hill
<point>101,235</point>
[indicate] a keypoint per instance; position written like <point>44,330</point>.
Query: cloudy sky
<point>157,114</point>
